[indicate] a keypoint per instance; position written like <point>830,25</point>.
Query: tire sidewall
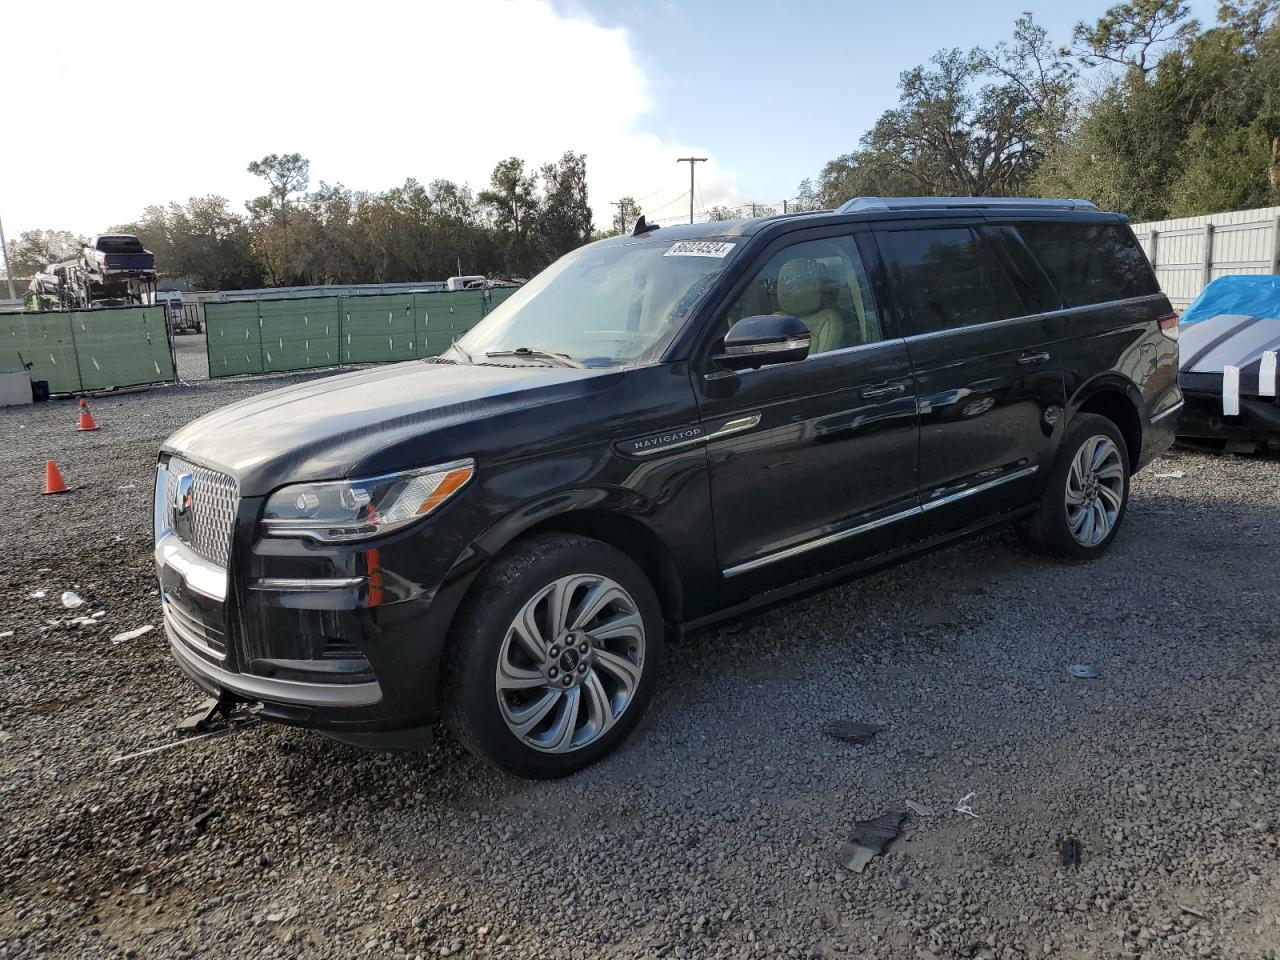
<point>482,626</point>
<point>1083,427</point>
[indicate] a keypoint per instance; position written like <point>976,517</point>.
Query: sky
<point>109,116</point>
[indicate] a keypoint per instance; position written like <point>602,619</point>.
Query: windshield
<point>602,305</point>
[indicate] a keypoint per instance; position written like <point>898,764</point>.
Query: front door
<point>812,463</point>
<point>990,394</point>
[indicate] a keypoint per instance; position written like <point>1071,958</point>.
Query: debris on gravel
<point>711,832</point>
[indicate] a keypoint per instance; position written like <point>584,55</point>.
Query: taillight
<point>106,261</point>
<point>1168,324</point>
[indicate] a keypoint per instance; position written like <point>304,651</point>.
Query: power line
<point>693,163</point>
<point>670,203</point>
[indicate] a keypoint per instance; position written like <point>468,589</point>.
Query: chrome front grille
<point>212,512</point>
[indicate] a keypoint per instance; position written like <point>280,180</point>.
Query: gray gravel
<point>716,830</point>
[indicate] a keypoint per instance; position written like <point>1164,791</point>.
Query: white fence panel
<point>1190,251</point>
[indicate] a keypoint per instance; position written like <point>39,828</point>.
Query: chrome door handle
<point>1029,358</point>
<point>884,390</point>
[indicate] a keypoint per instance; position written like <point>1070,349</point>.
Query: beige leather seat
<point>800,293</point>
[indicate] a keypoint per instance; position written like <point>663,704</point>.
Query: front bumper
<point>344,640</point>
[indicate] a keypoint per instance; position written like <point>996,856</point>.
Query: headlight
<point>355,509</point>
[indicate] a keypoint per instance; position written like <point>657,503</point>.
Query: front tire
<point>1085,499</point>
<point>554,656</point>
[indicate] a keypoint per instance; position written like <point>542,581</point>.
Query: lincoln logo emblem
<point>182,499</point>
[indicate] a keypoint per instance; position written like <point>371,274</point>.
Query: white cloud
<point>175,98</point>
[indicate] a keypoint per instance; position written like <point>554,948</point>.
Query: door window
<point>949,279</point>
<point>1090,262</point>
<point>824,284</point>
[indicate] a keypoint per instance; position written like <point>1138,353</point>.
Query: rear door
<point>990,396</point>
<point>813,464</point>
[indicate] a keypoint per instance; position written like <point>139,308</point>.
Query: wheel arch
<point>601,515</point>
<point>1120,401</point>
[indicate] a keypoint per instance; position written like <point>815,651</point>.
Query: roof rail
<point>861,204</point>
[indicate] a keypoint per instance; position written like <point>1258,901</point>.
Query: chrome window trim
<point>276,690</point>
<point>1048,314</point>
<point>874,524</point>
<point>1172,410</point>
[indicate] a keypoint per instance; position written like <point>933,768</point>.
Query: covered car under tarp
<point>1228,341</point>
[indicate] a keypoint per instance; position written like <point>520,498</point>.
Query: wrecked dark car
<point>657,432</point>
<point>1230,338</point>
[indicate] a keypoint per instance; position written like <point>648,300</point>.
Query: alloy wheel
<point>1095,490</point>
<point>570,663</point>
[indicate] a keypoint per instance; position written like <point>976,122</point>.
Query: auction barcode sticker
<point>700,248</point>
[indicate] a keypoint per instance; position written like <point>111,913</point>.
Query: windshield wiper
<point>561,358</point>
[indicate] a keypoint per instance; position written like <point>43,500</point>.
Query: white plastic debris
<point>1267,374</point>
<point>132,634</point>
<point>7,633</point>
<point>1230,391</point>
<point>1171,475</point>
<point>964,807</point>
<point>127,487</point>
<point>1083,671</point>
<point>36,594</point>
<point>71,600</point>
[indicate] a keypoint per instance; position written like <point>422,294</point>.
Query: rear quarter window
<point>1090,263</point>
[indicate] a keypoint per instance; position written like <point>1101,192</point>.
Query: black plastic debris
<point>212,714</point>
<point>201,820</point>
<point>1070,851</point>
<point>869,839</point>
<point>851,731</point>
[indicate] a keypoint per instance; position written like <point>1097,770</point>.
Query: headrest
<point>800,286</point>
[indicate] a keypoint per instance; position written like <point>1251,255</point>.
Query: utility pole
<point>622,212</point>
<point>692,162</point>
<point>753,211</point>
<point>784,206</point>
<point>8,274</point>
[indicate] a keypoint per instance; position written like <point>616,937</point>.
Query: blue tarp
<point>1237,296</point>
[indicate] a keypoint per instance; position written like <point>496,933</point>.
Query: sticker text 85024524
<point>700,248</point>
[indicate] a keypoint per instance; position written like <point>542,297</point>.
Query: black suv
<point>658,431</point>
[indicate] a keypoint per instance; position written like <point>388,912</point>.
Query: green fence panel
<point>498,294</point>
<point>261,336</point>
<point>444,317</point>
<point>299,334</point>
<point>120,348</point>
<point>378,329</point>
<point>41,343</point>
<point>233,337</point>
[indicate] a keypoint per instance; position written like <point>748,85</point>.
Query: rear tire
<point>553,657</point>
<point>1084,502</point>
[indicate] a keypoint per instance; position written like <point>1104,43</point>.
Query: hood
<point>319,430</point>
<point>1227,339</point>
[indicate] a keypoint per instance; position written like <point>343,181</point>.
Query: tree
<point>1128,32</point>
<point>32,250</point>
<point>564,222</point>
<point>512,204</point>
<point>285,176</point>
<point>973,124</point>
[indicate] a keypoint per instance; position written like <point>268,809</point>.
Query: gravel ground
<point>715,830</point>
<point>190,353</point>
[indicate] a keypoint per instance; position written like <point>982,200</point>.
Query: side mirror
<point>762,341</point>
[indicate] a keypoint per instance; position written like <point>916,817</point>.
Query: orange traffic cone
<point>86,418</point>
<point>53,482</point>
